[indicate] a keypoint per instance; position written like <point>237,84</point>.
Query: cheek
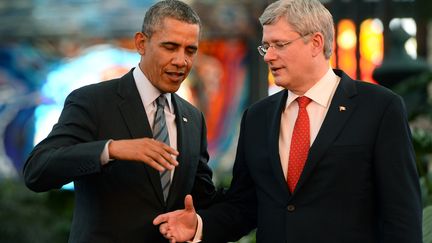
<point>159,60</point>
<point>155,68</point>
<point>160,66</point>
<point>290,57</point>
<point>190,61</point>
<point>189,67</point>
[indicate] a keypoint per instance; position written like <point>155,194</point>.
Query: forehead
<point>280,29</point>
<point>174,30</point>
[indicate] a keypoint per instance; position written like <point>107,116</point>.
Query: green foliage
<point>427,225</point>
<point>416,94</point>
<point>250,238</point>
<point>423,146</point>
<point>27,217</point>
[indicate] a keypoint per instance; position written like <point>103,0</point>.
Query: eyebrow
<point>194,47</point>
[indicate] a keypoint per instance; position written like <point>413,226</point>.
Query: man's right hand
<point>147,150</point>
<point>179,225</point>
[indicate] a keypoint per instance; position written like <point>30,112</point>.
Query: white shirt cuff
<point>105,154</point>
<point>198,232</point>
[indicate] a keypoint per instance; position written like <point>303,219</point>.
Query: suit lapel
<point>131,108</point>
<point>135,117</point>
<point>341,108</point>
<point>274,112</point>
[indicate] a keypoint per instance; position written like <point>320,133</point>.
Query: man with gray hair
<point>327,159</point>
<point>133,148</point>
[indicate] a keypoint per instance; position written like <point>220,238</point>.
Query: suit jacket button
<point>291,208</point>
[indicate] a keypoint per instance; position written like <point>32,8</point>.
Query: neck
<point>311,78</point>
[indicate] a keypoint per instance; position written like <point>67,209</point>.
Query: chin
<point>280,83</point>
<point>285,83</point>
<point>171,89</point>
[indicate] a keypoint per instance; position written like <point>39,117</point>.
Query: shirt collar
<point>147,91</point>
<point>321,92</point>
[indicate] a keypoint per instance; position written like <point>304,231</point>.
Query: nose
<point>270,55</point>
<point>180,60</point>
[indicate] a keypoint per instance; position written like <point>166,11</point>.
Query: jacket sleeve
<point>236,215</point>
<point>396,179</point>
<point>69,151</point>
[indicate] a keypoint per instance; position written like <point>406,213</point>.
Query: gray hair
<point>305,16</point>
<point>168,9</point>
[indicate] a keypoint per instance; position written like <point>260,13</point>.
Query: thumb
<point>160,219</point>
<point>188,202</point>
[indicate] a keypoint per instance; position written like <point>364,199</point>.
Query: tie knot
<point>303,101</point>
<point>161,101</point>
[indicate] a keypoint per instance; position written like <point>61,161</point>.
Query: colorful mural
<point>217,85</point>
<point>22,70</point>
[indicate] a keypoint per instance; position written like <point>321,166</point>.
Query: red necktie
<point>300,143</point>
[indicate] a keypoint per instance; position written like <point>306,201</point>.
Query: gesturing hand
<point>154,153</point>
<point>179,225</point>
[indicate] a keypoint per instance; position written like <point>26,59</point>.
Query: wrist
<point>198,231</point>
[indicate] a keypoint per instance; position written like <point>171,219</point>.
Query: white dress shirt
<point>149,94</point>
<point>321,95</point>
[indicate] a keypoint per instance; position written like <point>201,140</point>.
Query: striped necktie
<point>160,133</point>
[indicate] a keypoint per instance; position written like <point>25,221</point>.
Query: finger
<point>169,149</point>
<point>149,161</point>
<point>165,147</point>
<point>160,219</point>
<point>168,153</point>
<point>188,202</point>
<point>161,156</point>
<point>166,162</point>
<point>163,228</point>
<point>152,157</point>
<point>168,158</point>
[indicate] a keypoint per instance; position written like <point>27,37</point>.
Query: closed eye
<point>280,45</point>
<point>191,50</point>
<point>169,46</point>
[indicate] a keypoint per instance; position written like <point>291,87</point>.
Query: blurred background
<point>50,47</point>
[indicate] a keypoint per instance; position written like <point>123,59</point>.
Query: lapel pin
<point>342,108</point>
<point>185,119</point>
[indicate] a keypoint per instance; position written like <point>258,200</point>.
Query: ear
<point>317,40</point>
<point>140,42</point>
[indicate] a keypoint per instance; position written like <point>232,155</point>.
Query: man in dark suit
<point>103,141</point>
<point>355,182</point>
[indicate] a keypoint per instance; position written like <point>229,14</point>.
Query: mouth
<point>275,70</point>
<point>176,76</point>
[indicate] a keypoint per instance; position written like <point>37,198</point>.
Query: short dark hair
<point>168,8</point>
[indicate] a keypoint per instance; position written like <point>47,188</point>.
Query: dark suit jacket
<point>117,202</point>
<point>359,184</point>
